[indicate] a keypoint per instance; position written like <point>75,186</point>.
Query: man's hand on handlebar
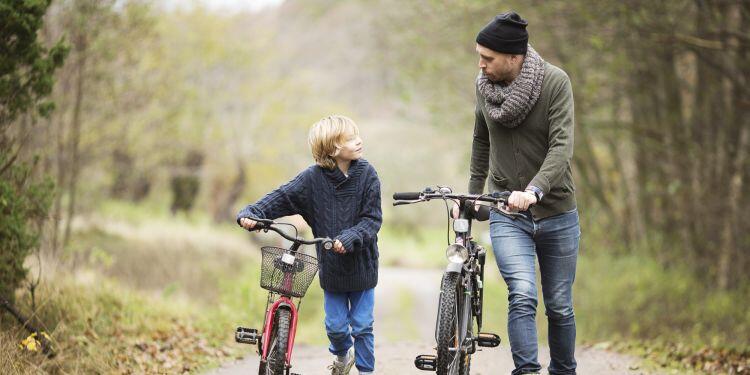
<point>521,200</point>
<point>456,209</point>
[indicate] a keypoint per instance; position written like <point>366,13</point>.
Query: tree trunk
<point>81,47</point>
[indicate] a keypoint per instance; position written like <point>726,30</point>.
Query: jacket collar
<point>338,178</point>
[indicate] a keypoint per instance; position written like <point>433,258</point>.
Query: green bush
<point>23,206</point>
<point>634,297</point>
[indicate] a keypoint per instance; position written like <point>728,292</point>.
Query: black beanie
<point>506,33</point>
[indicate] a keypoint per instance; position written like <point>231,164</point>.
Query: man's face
<point>498,67</point>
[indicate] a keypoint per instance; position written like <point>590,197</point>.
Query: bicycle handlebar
<point>415,197</point>
<point>266,225</point>
<point>482,214</point>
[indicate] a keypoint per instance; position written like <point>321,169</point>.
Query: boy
<point>339,197</point>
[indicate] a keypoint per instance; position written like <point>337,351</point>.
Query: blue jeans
<point>554,240</point>
<point>349,322</point>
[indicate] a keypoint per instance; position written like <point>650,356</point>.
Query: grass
<point>637,298</point>
<point>140,291</point>
<point>99,326</point>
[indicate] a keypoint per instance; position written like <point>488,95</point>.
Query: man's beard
<point>503,77</point>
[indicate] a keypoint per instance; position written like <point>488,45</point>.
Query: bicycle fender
<point>454,267</point>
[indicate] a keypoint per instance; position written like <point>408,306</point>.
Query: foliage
<point>26,79</point>
<point>26,66</point>
<point>23,204</point>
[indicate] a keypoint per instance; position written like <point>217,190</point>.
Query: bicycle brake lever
<point>504,211</point>
<point>399,203</point>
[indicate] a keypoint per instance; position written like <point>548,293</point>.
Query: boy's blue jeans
<point>516,244</point>
<point>349,322</point>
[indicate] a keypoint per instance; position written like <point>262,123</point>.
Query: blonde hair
<point>326,137</point>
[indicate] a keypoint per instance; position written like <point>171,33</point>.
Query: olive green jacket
<point>537,152</point>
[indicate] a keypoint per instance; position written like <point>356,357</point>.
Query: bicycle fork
<point>251,336</point>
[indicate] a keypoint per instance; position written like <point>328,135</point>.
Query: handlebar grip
<point>483,214</point>
<point>406,196</point>
<point>500,194</point>
<point>328,244</point>
<point>260,223</point>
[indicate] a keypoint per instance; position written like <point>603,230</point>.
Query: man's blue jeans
<point>554,240</point>
<point>349,322</point>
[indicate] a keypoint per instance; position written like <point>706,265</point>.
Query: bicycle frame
<point>284,301</point>
<point>466,307</point>
<point>465,271</point>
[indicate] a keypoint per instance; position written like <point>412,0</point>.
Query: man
<point>523,139</point>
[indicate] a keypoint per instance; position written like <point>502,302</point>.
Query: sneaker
<point>343,367</point>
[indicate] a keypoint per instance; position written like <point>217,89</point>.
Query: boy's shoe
<point>343,367</point>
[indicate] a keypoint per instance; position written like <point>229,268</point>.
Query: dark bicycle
<point>461,290</point>
<point>286,274</point>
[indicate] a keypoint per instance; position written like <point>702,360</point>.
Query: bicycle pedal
<point>426,362</point>
<point>246,335</point>
<point>488,340</point>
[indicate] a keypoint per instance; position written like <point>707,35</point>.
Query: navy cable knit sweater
<point>335,206</point>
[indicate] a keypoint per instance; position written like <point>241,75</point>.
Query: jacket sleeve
<point>370,218</point>
<point>560,146</point>
<point>480,153</point>
<point>288,199</point>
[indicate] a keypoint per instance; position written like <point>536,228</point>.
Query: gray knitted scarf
<point>510,104</point>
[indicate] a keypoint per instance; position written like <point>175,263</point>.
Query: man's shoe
<point>343,367</point>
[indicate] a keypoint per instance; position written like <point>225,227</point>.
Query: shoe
<point>343,368</point>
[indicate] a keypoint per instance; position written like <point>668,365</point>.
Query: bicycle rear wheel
<point>448,331</point>
<point>275,363</point>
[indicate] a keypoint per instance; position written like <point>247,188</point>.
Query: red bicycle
<point>286,274</point>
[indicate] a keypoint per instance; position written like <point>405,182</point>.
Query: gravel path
<point>417,291</point>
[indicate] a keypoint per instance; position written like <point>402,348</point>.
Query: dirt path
<point>416,291</point>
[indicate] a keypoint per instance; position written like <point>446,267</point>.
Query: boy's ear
<point>335,153</point>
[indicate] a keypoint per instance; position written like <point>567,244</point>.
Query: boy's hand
<point>247,223</point>
<point>338,247</point>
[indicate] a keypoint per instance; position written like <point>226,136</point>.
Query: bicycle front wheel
<point>276,360</point>
<point>451,359</point>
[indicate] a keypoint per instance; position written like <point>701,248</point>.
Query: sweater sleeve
<point>560,146</point>
<point>370,218</point>
<point>480,153</point>
<point>288,199</point>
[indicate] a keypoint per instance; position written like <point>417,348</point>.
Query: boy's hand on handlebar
<point>247,223</point>
<point>338,247</point>
<point>521,200</point>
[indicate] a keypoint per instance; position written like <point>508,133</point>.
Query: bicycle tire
<point>276,360</point>
<point>447,330</point>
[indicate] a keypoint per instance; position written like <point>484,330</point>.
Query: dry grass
<point>151,296</point>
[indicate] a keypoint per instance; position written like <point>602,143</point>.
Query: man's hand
<point>338,247</point>
<point>456,210</point>
<point>247,223</point>
<point>521,200</point>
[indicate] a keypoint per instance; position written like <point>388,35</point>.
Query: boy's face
<point>351,148</point>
